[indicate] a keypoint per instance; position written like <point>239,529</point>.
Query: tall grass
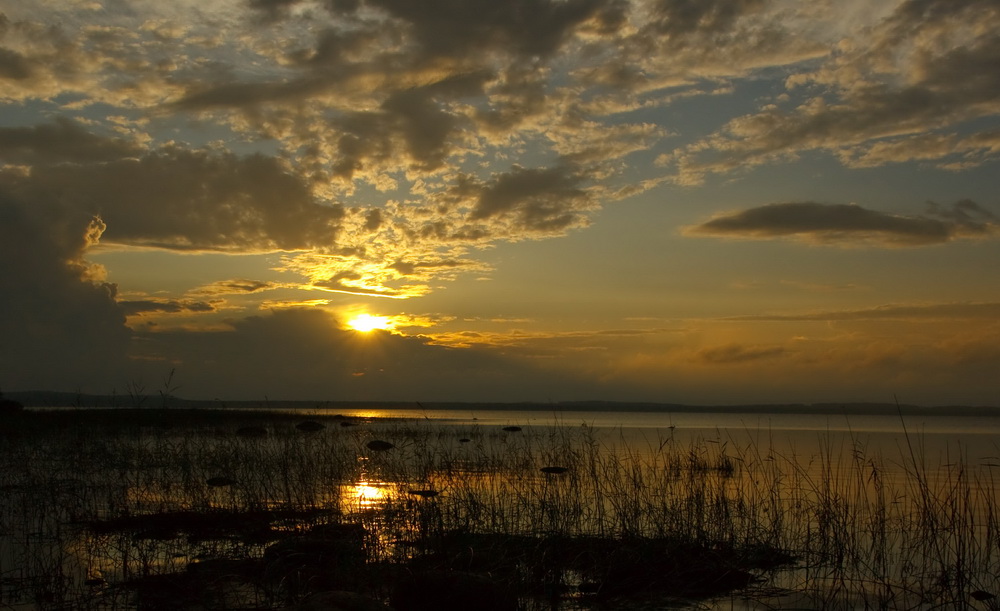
<point>864,530</point>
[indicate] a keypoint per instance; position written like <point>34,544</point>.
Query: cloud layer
<point>387,148</point>
<point>906,88</point>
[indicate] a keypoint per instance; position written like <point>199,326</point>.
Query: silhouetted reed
<point>101,509</point>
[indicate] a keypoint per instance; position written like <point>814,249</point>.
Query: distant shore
<point>50,399</point>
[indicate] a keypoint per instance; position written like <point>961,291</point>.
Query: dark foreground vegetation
<point>221,509</point>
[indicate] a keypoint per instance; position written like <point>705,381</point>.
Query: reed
<point>100,506</point>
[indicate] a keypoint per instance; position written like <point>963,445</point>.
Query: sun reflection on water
<point>365,494</point>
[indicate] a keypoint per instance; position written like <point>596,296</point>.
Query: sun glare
<point>366,495</point>
<point>366,323</point>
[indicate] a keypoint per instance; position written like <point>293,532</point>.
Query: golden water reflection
<point>365,495</point>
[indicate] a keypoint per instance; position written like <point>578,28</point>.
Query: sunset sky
<point>688,201</point>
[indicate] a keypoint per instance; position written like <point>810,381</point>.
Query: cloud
<point>63,140</point>
<point>187,201</point>
<point>61,326</point>
<point>847,224</point>
<point>736,353</point>
<point>679,43</point>
<point>353,283</point>
<point>949,151</point>
<point>236,286</point>
<point>911,312</point>
<point>139,307</point>
<point>13,65</point>
<point>446,29</point>
<point>924,68</point>
<point>387,90</point>
<point>69,54</point>
<point>205,201</point>
<point>305,354</point>
<point>543,200</point>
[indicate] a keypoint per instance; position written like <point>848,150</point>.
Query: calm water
<point>934,440</point>
<point>808,449</point>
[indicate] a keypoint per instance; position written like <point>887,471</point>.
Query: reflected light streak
<point>365,495</point>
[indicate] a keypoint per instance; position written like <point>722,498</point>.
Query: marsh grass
<point>114,509</point>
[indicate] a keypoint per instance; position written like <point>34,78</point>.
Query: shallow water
<point>806,456</point>
<point>929,442</point>
<point>845,452</point>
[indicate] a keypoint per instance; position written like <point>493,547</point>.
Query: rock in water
<point>554,470</point>
<point>220,481</point>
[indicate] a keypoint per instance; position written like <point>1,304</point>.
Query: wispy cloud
<point>737,353</point>
<point>235,286</point>
<point>913,312</point>
<point>139,307</point>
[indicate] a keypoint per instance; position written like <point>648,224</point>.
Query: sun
<point>366,323</point>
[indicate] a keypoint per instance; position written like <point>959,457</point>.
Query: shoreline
<point>63,400</point>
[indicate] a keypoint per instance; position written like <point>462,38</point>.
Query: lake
<point>936,440</point>
<point>818,510</point>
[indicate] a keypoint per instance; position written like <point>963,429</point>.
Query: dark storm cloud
<point>304,354</point>
<point>849,223</point>
<point>61,140</point>
<point>189,201</point>
<point>60,327</point>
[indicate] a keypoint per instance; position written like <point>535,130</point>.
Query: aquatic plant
<point>252,509</point>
